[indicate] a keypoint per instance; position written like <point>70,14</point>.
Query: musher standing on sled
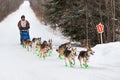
<point>24,26</point>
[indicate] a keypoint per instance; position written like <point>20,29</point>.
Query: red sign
<point>100,28</point>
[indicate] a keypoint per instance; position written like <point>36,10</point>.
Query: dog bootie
<point>38,55</point>
<point>37,49</point>
<point>71,64</point>
<point>44,56</point>
<point>85,66</point>
<point>61,57</point>
<point>24,46</point>
<point>50,53</point>
<point>37,52</point>
<point>82,66</point>
<point>66,65</point>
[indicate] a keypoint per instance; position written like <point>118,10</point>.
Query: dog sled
<point>25,35</point>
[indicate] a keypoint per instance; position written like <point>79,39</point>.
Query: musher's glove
<point>21,28</point>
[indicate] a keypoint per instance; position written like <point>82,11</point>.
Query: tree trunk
<point>86,7</point>
<point>113,17</point>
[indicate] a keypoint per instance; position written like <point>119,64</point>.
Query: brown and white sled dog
<point>44,48</point>
<point>84,56</point>
<point>36,42</point>
<point>70,56</point>
<point>27,44</point>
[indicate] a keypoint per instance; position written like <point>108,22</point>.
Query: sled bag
<point>25,35</point>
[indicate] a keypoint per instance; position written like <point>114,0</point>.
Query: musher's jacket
<point>23,25</point>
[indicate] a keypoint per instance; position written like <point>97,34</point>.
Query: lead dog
<point>84,56</point>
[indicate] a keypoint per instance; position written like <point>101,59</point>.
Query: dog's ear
<point>89,49</point>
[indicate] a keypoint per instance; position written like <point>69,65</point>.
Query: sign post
<point>100,29</point>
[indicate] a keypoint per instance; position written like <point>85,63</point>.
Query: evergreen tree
<point>78,18</point>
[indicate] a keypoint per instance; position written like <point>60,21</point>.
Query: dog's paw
<point>84,66</point>
<point>66,65</point>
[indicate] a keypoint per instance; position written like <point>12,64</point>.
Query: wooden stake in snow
<point>100,30</point>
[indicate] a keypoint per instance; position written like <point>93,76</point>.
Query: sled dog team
<point>42,49</point>
<point>65,51</point>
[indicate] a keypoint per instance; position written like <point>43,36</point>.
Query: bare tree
<point>113,14</point>
<point>86,7</point>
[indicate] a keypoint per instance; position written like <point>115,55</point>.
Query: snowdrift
<point>107,53</point>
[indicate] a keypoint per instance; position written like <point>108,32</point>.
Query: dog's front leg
<point>80,60</point>
<point>70,62</point>
<point>27,48</point>
<point>65,62</point>
<point>33,48</point>
<point>86,60</point>
<point>30,48</point>
<point>73,60</point>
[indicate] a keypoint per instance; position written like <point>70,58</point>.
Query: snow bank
<point>107,53</point>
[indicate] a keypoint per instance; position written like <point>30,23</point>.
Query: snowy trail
<point>18,64</point>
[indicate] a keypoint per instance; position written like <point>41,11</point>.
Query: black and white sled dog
<point>69,55</point>
<point>84,56</point>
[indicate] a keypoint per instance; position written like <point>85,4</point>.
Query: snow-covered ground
<point>18,64</point>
